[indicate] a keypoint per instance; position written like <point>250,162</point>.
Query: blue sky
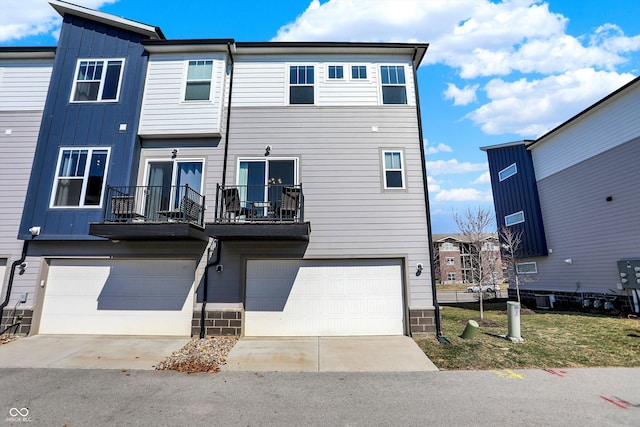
<point>495,71</point>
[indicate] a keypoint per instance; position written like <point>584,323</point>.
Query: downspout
<point>205,290</point>
<point>439,335</point>
<point>15,265</point>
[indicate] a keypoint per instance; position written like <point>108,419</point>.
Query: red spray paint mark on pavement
<point>559,373</point>
<point>620,403</point>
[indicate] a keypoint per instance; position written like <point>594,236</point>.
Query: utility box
<point>629,272</point>
<point>513,321</point>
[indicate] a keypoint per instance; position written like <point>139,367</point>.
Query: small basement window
<point>527,268</point>
<point>507,172</point>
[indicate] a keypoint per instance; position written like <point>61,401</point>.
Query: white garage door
<point>323,298</point>
<point>118,297</point>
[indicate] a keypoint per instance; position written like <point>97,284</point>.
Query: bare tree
<point>473,225</point>
<point>511,246</point>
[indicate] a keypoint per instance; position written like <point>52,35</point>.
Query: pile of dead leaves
<point>200,355</point>
<point>5,339</point>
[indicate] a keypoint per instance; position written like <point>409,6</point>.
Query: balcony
<point>151,213</point>
<point>259,212</point>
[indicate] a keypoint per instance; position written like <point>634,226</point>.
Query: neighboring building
<point>210,186</point>
<point>455,260</point>
<point>574,194</point>
<point>24,80</point>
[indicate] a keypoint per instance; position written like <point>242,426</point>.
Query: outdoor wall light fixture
<point>267,150</point>
<point>35,231</point>
<point>609,198</point>
<point>419,268</point>
<point>568,261</point>
<point>174,153</point>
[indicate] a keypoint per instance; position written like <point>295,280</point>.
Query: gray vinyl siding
<point>15,167</point>
<point>340,168</point>
<point>24,84</point>
<point>582,226</point>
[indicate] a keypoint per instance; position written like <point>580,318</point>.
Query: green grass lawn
<point>552,340</point>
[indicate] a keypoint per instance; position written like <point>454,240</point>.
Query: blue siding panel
<point>85,124</point>
<point>518,193</point>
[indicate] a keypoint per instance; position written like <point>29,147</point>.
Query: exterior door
<point>261,181</point>
<point>166,182</point>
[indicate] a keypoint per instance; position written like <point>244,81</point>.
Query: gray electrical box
<point>629,271</point>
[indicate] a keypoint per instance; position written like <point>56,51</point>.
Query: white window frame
<point>450,260</point>
<point>289,85</point>
<point>382,85</point>
<point>451,276</point>
<point>84,178</point>
<point>507,173</point>
<point>105,61</point>
<point>335,79</point>
<point>507,218</point>
<point>401,169</point>
<point>296,166</point>
<point>359,79</point>
<point>445,246</point>
<point>535,267</point>
<point>187,81</point>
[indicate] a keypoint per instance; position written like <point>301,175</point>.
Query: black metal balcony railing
<point>141,204</point>
<point>259,203</point>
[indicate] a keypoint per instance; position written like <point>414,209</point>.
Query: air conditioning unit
<point>545,301</point>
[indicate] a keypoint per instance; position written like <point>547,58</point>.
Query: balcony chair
<point>189,211</point>
<point>289,206</point>
<point>232,206</point>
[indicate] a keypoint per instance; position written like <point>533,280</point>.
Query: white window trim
<point>515,171</point>
<point>104,68</point>
<point>451,276</point>
<point>288,85</point>
<point>380,85</point>
<point>344,78</point>
<point>535,264</point>
<point>506,221</point>
<point>367,69</point>
<point>54,190</point>
<point>402,170</point>
<point>185,73</point>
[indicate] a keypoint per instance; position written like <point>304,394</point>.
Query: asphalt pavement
<point>560,397</point>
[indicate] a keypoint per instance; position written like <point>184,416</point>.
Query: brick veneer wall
<point>218,323</point>
<point>422,322</point>
<point>22,316</point>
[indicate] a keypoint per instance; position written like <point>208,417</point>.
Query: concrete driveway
<point>88,352</point>
<point>328,354</point>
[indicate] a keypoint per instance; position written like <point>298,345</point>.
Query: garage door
<point>118,297</point>
<point>323,298</point>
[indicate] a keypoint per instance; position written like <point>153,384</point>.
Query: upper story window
<point>335,72</point>
<point>507,172</point>
<point>301,78</point>
<point>451,276</point>
<point>393,169</point>
<point>451,261</point>
<point>199,75</point>
<point>526,268</point>
<point>358,72</point>
<point>80,177</point>
<point>394,89</point>
<point>97,80</point>
<point>448,246</point>
<point>515,218</point>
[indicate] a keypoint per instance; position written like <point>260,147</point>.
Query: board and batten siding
<point>614,122</point>
<point>340,168</point>
<point>582,226</point>
<point>24,84</point>
<point>265,82</point>
<point>164,111</point>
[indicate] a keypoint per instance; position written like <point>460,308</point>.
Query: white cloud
<point>485,178</point>
<point>433,184</point>
<point>532,107</point>
<point>463,195</point>
<point>463,96</point>
<point>24,18</point>
<point>446,167</point>
<point>440,148</point>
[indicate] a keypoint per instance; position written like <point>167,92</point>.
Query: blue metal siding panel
<point>518,193</point>
<point>85,124</point>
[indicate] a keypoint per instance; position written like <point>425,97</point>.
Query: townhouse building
<point>214,187</point>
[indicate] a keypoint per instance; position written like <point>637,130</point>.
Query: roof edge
<point>586,110</point>
<point>28,52</point>
<point>506,144</point>
<point>63,7</point>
